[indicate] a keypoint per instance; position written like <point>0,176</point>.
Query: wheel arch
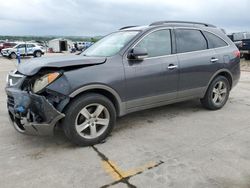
<point>13,52</point>
<point>223,72</point>
<point>37,50</point>
<point>104,90</point>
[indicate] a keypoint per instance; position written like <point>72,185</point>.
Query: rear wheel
<point>37,54</point>
<point>217,94</point>
<point>89,119</point>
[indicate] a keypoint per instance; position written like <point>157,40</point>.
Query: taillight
<point>237,53</point>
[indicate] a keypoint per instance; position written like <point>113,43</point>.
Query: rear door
<point>197,63</point>
<point>30,49</point>
<point>150,81</point>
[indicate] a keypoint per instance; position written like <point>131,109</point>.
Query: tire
<point>37,54</point>
<point>217,93</point>
<point>13,55</point>
<point>74,121</point>
<point>247,56</point>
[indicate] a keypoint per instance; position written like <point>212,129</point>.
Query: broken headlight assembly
<point>44,81</point>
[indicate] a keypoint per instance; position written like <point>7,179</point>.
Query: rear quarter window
<point>189,40</point>
<point>214,41</point>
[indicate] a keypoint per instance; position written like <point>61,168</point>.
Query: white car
<point>24,49</point>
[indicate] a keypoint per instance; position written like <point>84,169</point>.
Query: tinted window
<point>21,46</point>
<point>214,41</point>
<point>190,40</point>
<point>30,46</point>
<point>157,43</point>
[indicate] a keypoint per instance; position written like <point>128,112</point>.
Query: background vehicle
<point>81,46</point>
<point>25,49</point>
<point>242,41</point>
<point>7,45</point>
<point>129,70</point>
<point>245,49</point>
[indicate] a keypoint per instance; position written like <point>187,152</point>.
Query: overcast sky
<point>99,17</point>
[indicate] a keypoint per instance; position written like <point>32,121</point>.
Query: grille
<point>10,101</point>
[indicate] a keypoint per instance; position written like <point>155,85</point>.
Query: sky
<point>100,17</point>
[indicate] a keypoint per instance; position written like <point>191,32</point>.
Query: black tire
<point>13,55</point>
<point>208,101</point>
<point>247,56</point>
<point>72,113</point>
<point>37,53</point>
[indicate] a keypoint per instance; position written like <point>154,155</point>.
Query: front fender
<point>121,105</point>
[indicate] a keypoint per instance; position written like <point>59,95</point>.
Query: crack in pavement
<point>122,178</point>
<point>128,177</point>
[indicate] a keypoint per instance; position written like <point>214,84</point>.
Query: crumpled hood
<point>33,66</point>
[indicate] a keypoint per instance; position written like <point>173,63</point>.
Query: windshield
<point>17,46</point>
<point>110,45</point>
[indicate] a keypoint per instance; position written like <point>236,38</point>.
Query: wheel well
<point>228,76</point>
<point>105,93</point>
<point>37,51</point>
<point>12,53</point>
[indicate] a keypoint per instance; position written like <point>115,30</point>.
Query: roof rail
<point>180,22</point>
<point>126,27</point>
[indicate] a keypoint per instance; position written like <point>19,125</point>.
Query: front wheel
<point>89,119</point>
<point>13,55</point>
<point>217,94</point>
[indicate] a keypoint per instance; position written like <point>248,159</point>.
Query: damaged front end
<point>32,113</point>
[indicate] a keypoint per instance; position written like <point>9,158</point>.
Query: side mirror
<point>138,53</point>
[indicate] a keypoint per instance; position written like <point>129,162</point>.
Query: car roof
<point>27,43</point>
<point>160,24</point>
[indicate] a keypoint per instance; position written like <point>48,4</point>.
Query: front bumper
<point>30,113</point>
<point>5,53</point>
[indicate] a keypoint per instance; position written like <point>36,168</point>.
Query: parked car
<point>25,49</point>
<point>79,45</point>
<point>7,45</point>
<point>245,49</point>
<point>129,70</point>
<point>238,44</point>
<point>242,41</point>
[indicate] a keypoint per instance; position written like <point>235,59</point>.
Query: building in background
<point>60,45</point>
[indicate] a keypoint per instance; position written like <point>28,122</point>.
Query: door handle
<point>172,66</point>
<point>213,59</point>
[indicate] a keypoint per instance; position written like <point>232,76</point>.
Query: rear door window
<point>214,41</point>
<point>157,43</point>
<point>189,40</point>
<point>30,45</point>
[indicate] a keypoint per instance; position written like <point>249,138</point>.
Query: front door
<point>155,78</point>
<point>22,49</point>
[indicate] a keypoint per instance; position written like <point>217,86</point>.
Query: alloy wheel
<point>219,93</point>
<point>38,54</point>
<point>92,121</point>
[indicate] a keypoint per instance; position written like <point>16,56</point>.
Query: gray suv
<point>132,69</point>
